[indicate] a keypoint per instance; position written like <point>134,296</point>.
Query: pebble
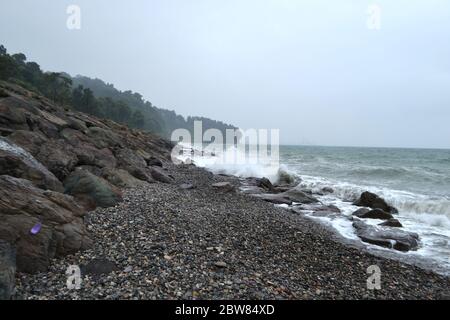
<point>256,250</point>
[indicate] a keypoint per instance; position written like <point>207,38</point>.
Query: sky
<point>315,70</point>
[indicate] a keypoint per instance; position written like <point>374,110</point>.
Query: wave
<point>407,202</point>
<point>250,166</point>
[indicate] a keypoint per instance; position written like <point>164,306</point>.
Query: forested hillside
<point>96,97</point>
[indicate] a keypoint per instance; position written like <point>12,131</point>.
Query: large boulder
<point>278,198</point>
<point>394,223</point>
<point>372,214</point>
<point>91,190</point>
<point>7,270</point>
<point>29,140</point>
<point>16,162</point>
<point>386,237</point>
<point>58,157</point>
<point>371,200</point>
<point>13,114</point>
<point>296,195</point>
<point>23,206</point>
<point>288,197</point>
<point>88,154</point>
<point>121,178</point>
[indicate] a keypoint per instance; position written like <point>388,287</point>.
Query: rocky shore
<point>77,190</point>
<point>191,240</point>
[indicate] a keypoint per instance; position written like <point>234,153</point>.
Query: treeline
<point>96,97</point>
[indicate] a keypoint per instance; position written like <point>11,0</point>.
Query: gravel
<point>170,242</point>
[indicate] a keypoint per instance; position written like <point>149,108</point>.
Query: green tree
<point>137,119</point>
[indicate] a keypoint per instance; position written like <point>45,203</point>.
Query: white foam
<point>250,167</point>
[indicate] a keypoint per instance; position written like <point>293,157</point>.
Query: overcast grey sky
<point>313,69</point>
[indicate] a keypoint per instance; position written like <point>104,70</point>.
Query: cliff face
<point>55,164</point>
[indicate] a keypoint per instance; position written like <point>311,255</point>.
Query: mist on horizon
<point>316,70</point>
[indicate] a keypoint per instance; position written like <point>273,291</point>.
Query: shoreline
<point>168,242</point>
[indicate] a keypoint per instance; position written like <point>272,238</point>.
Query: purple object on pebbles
<point>36,228</point>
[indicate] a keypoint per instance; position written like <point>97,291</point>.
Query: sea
<point>415,181</point>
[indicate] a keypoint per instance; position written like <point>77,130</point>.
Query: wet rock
<point>288,197</point>
<point>91,190</point>
<point>392,223</point>
<point>360,212</point>
<point>371,200</point>
<point>373,214</point>
<point>265,184</point>
<point>7,270</point>
<point>327,190</point>
<point>278,198</point>
<point>296,195</point>
<point>386,237</point>
<point>320,207</point>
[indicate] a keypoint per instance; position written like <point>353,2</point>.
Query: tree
<point>57,87</point>
<point>123,112</point>
<point>137,119</point>
<point>19,57</point>
<point>3,50</point>
<point>8,67</point>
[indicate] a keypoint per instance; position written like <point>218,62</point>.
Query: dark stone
<point>121,178</point>
<point>373,214</point>
<point>265,184</point>
<point>327,190</point>
<point>391,223</point>
<point>390,238</point>
<point>98,267</point>
<point>58,157</point>
<point>296,195</point>
<point>159,175</point>
<point>152,161</point>
<point>278,198</point>
<point>91,190</point>
<point>371,200</point>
